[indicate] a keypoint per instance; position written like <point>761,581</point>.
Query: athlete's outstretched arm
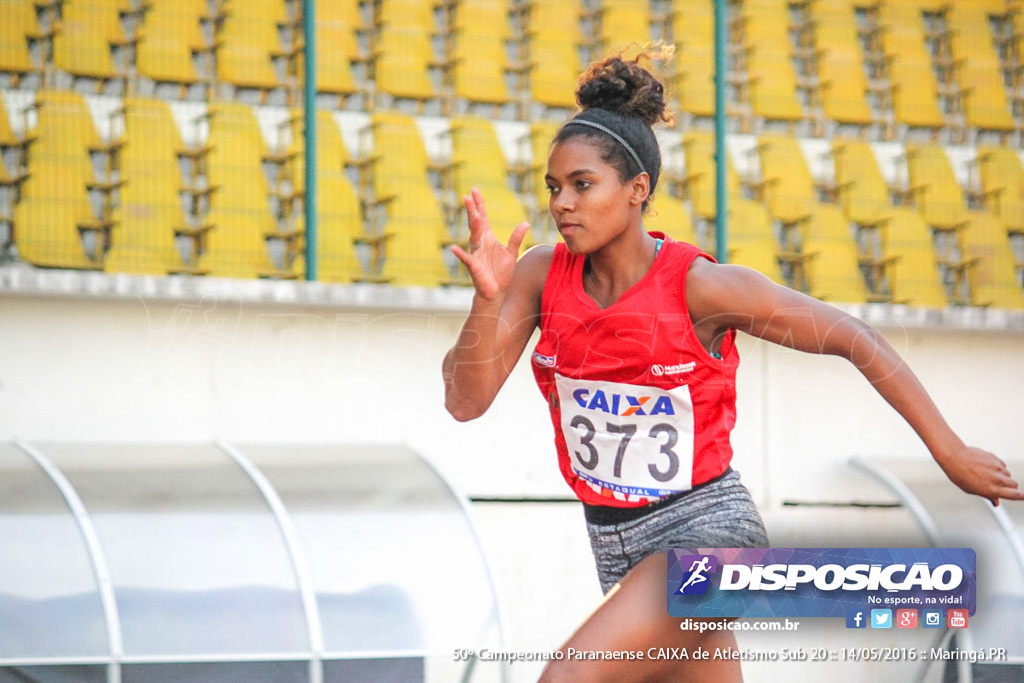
<point>505,309</point>
<point>722,297</point>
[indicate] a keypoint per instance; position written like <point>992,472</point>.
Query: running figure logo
<point>696,580</point>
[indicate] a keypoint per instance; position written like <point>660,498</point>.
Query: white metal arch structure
<point>950,518</point>
<point>217,561</point>
<point>96,557</point>
<point>298,559</point>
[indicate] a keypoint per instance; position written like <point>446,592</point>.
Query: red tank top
<point>640,409</point>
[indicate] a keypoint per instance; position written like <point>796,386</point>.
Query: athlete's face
<point>590,204</point>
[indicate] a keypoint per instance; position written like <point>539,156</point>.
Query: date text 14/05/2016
<point>795,654</point>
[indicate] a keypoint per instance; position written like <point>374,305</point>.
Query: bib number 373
<point>632,440</point>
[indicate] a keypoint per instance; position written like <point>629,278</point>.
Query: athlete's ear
<point>641,188</point>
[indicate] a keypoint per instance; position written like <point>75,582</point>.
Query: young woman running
<point>637,361</point>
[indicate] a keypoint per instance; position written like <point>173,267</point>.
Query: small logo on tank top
<point>544,361</point>
<point>679,369</point>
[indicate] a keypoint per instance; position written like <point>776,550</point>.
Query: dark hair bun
<point>624,86</point>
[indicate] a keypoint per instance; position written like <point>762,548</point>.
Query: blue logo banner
<point>819,582</point>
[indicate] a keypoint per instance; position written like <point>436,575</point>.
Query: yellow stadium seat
<point>915,96</point>
<point>407,13</point>
<point>1017,25</point>
<point>481,30</point>
<point>979,74</point>
<point>11,179</point>
<point>248,41</point>
<point>554,72</point>
<point>908,259</point>
<point>750,239</point>
<point>542,134</point>
<point>625,23</point>
<point>669,215</point>
<point>1002,181</point>
<point>478,161</point>
<point>840,62</point>
<point>403,57</point>
<point>695,83</point>
<point>789,190</point>
<point>554,59</point>
<point>54,198</point>
<point>169,35</point>
<point>88,31</point>
<point>773,91</point>
<point>773,87</point>
<point>150,209</point>
<point>483,17</point>
<point>19,23</point>
<point>344,14</point>
<point>699,181</point>
<point>8,137</point>
<point>832,266</point>
<point>339,219</point>
<point>693,23</point>
<point>984,98</point>
<point>934,188</point>
<point>914,274</point>
<point>829,255</point>
<point>403,52</point>
<point>863,192</point>
<point>415,227</point>
<point>693,26</point>
<point>239,208</point>
<point>993,272</point>
<point>337,47</point>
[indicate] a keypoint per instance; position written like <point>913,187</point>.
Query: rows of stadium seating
<point>98,176</point>
<point>888,64</point>
<point>213,207</point>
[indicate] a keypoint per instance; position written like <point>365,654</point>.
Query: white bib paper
<point>635,441</point>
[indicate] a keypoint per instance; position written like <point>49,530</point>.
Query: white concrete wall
<point>227,362</point>
<point>142,367</point>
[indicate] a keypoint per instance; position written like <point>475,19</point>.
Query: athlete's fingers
<point>515,241</point>
<point>460,254</point>
<point>478,199</point>
<point>1002,481</point>
<point>1012,493</point>
<point>476,209</point>
<point>472,214</point>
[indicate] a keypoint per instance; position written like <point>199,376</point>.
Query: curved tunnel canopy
<point>117,555</point>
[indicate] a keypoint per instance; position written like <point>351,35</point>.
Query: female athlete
<point>637,361</point>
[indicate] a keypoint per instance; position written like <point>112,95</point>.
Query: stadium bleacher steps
<point>406,227</point>
<point>13,173</point>
<point>149,205</point>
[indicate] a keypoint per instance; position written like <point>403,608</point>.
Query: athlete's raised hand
<point>977,471</point>
<point>489,262</point>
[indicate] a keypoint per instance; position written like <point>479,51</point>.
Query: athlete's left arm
<point>722,297</point>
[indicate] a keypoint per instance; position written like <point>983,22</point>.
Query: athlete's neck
<point>609,272</point>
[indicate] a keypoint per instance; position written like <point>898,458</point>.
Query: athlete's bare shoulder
<point>532,268</point>
<point>539,253</point>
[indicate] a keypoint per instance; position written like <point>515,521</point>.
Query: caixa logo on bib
<point>623,405</point>
<point>784,582</point>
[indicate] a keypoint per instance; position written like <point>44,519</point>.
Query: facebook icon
<point>856,619</point>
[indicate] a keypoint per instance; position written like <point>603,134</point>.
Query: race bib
<point>635,441</point>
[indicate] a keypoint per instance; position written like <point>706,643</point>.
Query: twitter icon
<point>881,618</point>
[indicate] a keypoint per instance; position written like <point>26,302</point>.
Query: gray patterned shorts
<point>719,514</point>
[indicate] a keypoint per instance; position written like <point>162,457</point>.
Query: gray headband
<point>618,138</point>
